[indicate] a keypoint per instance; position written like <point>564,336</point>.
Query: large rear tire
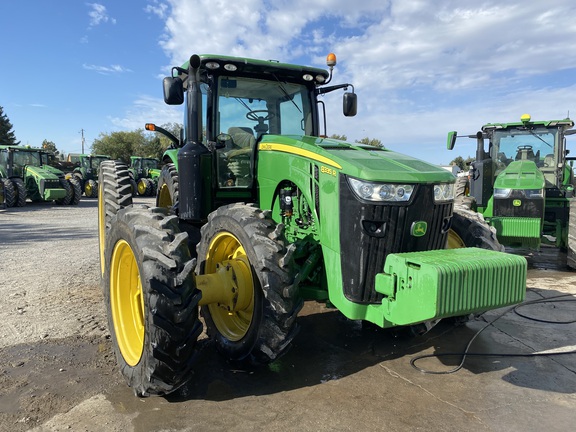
<point>91,189</point>
<point>115,193</point>
<point>469,229</point>
<point>262,324</point>
<point>10,194</point>
<point>167,191</point>
<point>151,299</point>
<point>21,193</point>
<point>77,189</point>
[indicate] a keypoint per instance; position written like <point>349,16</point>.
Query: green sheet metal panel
<point>438,284</point>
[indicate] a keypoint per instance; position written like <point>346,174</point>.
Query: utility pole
<point>82,132</point>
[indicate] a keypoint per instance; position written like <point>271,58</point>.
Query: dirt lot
<point>57,370</point>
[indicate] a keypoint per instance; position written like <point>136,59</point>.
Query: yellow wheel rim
<point>127,303</point>
<point>141,187</point>
<point>101,227</point>
<point>88,189</point>
<point>164,199</point>
<point>225,249</point>
<point>454,241</point>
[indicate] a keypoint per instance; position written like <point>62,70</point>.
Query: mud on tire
<point>151,299</point>
<point>263,332</point>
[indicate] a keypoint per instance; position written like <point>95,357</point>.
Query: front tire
<point>151,299</point>
<point>469,229</point>
<point>263,324</point>
<point>115,194</point>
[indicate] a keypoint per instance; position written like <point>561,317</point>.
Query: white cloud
<point>157,8</point>
<point>106,70</point>
<point>420,68</point>
<point>98,15</point>
<point>147,109</point>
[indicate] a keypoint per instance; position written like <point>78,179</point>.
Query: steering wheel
<point>253,115</point>
<point>524,147</point>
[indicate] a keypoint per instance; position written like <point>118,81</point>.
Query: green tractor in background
<point>265,213</point>
<point>144,173</point>
<point>25,173</point>
<point>523,183</point>
<point>86,172</point>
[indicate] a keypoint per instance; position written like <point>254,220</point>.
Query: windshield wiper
<point>539,137</point>
<point>290,98</point>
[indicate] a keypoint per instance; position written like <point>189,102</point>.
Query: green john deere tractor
<point>270,213</point>
<point>87,172</point>
<point>144,172</point>
<point>523,183</point>
<point>25,173</point>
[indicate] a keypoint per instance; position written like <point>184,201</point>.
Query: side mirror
<point>349,104</point>
<point>451,140</point>
<point>173,90</point>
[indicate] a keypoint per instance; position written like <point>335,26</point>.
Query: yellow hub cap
<point>127,303</point>
<point>232,319</point>
<point>454,241</point>
<point>141,187</point>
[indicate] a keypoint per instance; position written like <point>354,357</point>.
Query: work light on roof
<point>212,65</point>
<point>230,67</point>
<point>307,77</point>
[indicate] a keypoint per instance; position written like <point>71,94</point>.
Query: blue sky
<point>420,68</point>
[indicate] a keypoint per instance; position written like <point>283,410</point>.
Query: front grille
<point>517,205</point>
<point>363,253</point>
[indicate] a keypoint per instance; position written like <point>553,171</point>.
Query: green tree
<point>7,136</point>
<point>50,146</point>
<point>371,141</point>
<point>120,145</point>
<point>463,164</point>
<point>339,137</point>
<point>458,161</point>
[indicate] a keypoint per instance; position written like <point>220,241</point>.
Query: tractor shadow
<point>330,347</point>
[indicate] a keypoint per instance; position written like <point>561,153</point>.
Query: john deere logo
<point>516,203</point>
<point>418,229</point>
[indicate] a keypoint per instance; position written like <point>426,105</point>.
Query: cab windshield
<point>536,145</point>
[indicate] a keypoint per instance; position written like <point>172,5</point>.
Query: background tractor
<point>144,172</point>
<point>523,183</point>
<point>87,172</point>
<point>25,173</point>
<point>270,213</point>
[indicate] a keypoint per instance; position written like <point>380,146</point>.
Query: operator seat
<point>549,161</point>
<point>242,137</point>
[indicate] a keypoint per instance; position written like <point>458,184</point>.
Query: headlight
<point>502,193</point>
<point>381,192</point>
<point>534,193</point>
<point>443,192</point>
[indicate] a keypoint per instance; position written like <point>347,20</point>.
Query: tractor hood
<point>358,160</point>
<point>522,174</point>
<point>41,173</point>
